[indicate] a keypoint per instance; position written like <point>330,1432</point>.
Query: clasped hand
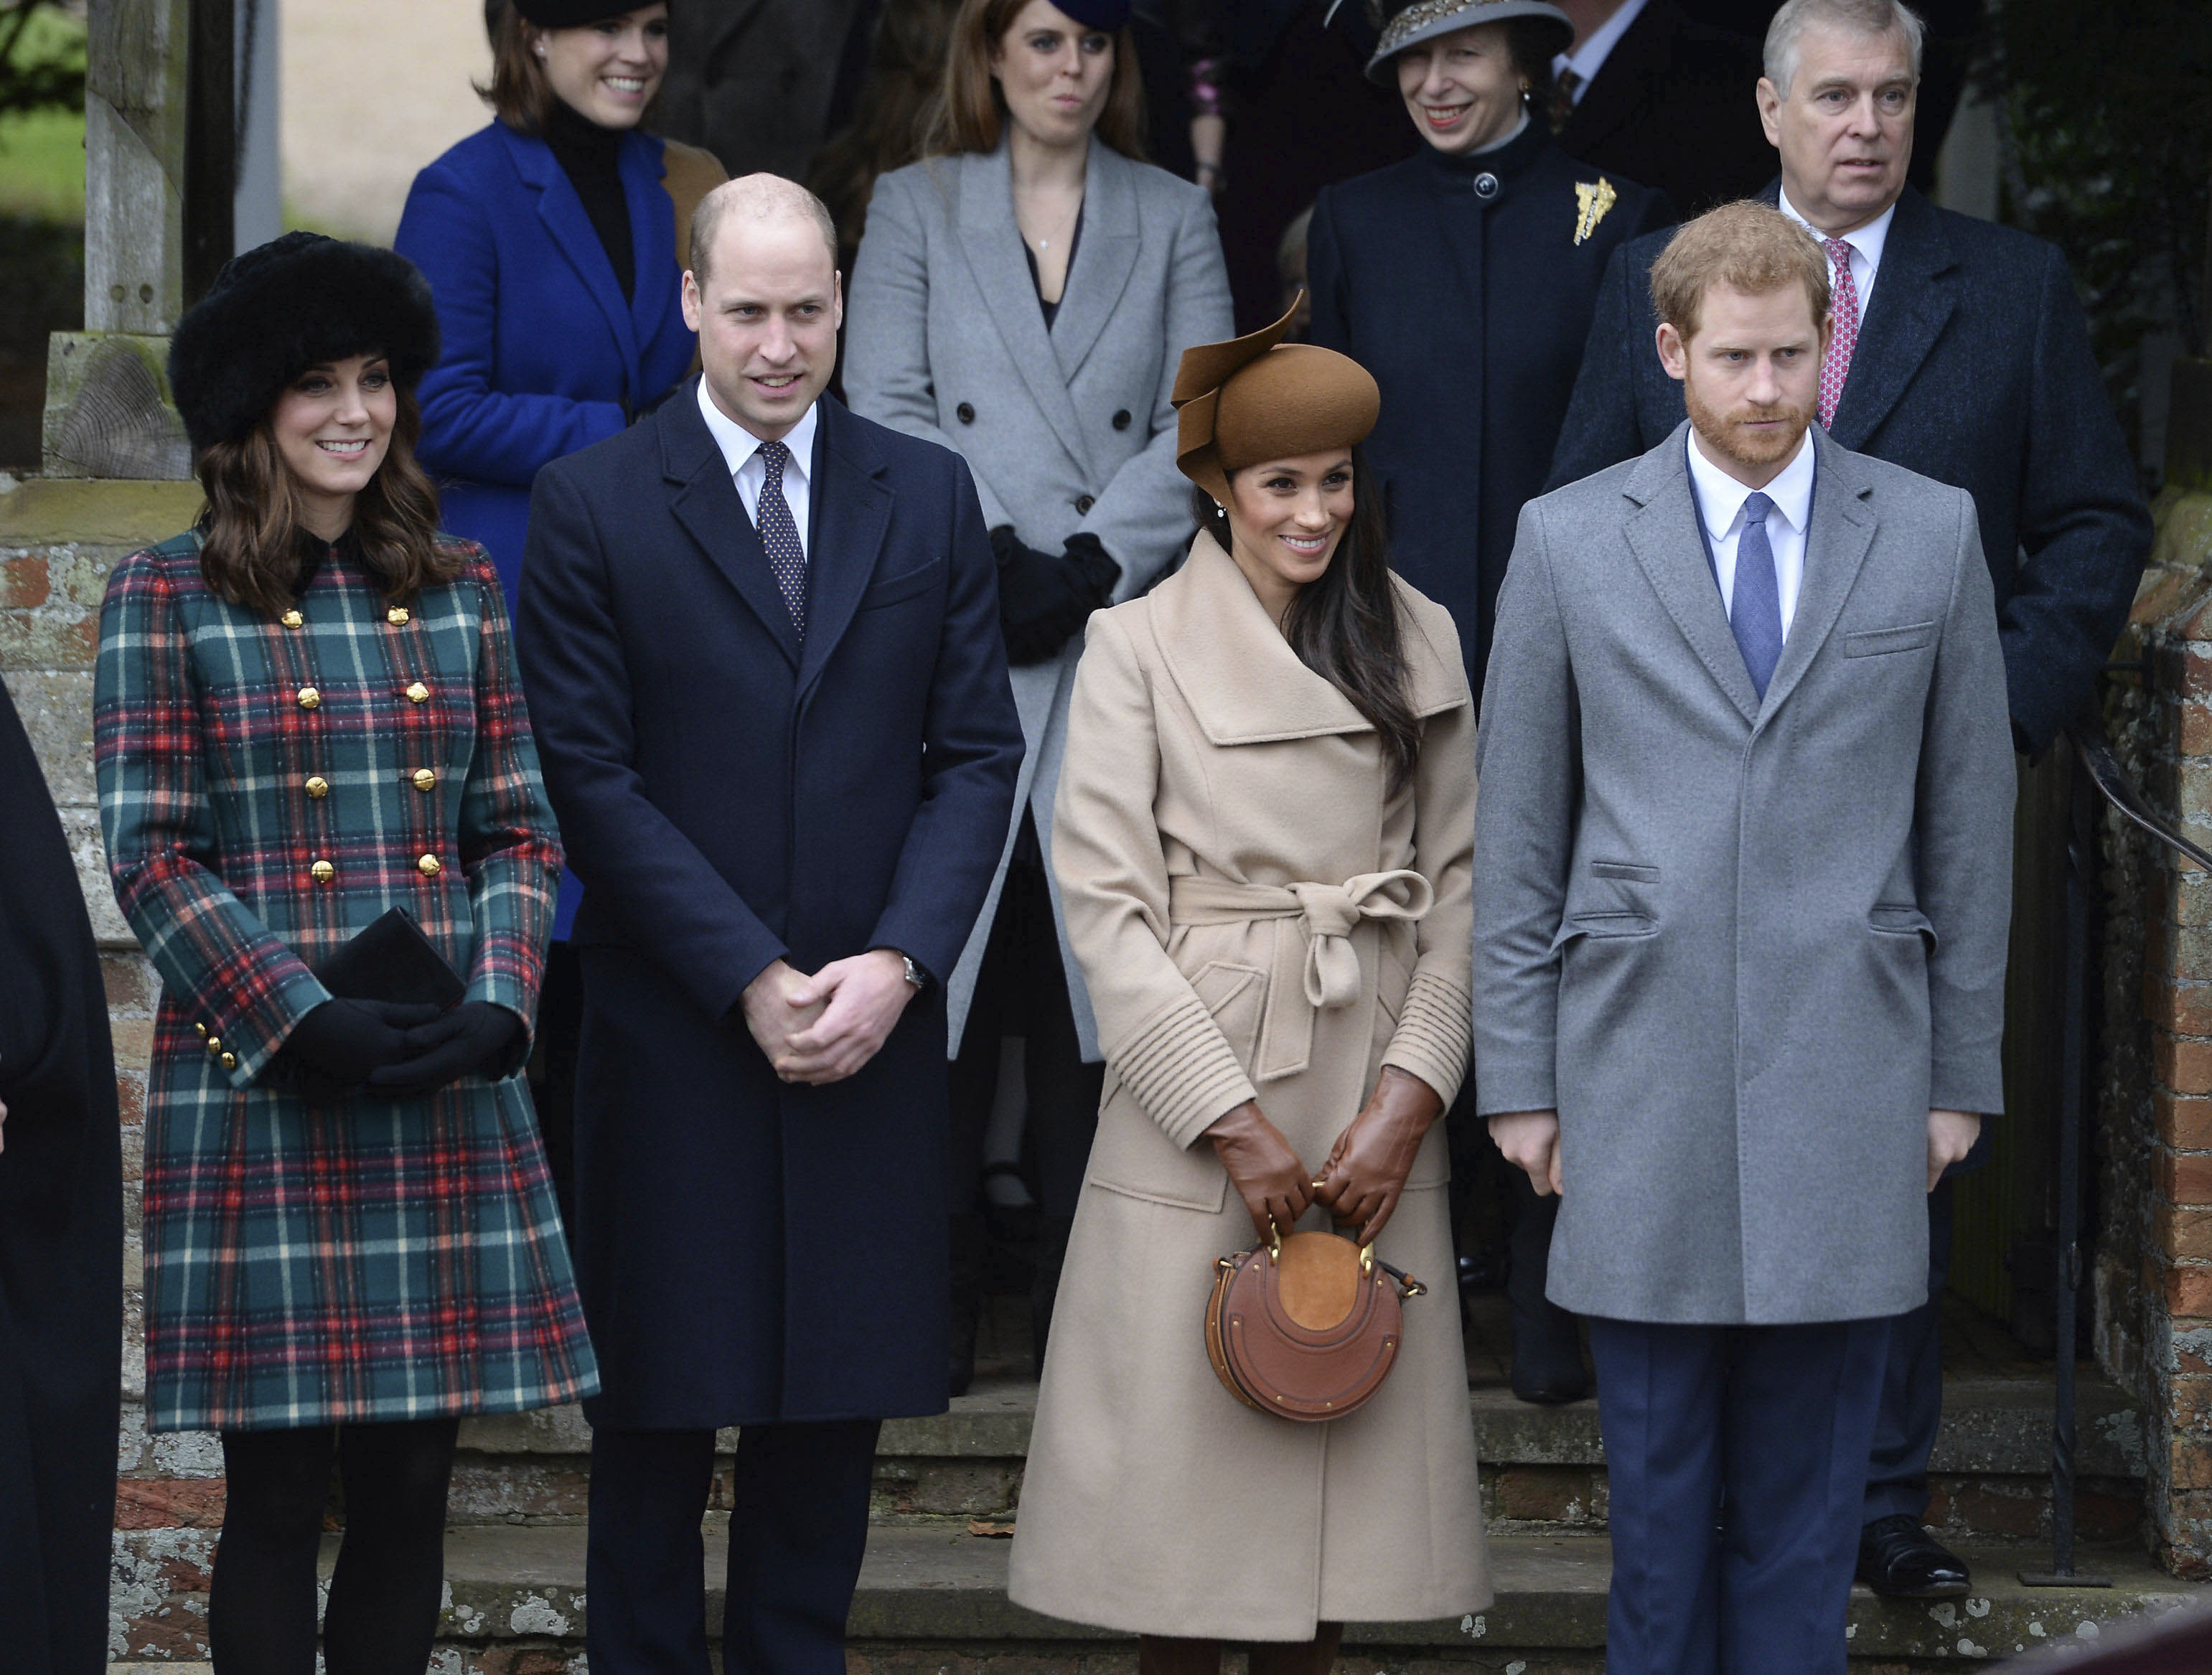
<point>390,1049</point>
<point>1366,1171</point>
<point>826,1027</point>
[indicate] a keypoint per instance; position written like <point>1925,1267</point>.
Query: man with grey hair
<point>1960,350</point>
<point>759,636</point>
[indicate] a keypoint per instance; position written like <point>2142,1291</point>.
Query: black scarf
<point>591,157</point>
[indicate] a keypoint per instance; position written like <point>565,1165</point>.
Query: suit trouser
<point>1737,1457</point>
<point>799,1526</point>
<point>1912,1385</point>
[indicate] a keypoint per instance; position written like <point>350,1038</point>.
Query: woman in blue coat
<point>550,239</point>
<point>1465,279</point>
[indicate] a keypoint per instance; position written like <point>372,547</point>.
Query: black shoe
<point>1900,1560</point>
<point>1548,1355</point>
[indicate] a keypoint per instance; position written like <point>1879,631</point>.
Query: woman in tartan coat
<point>307,713</point>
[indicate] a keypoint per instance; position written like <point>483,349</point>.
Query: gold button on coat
<point>429,866</point>
<point>397,617</point>
<point>309,698</point>
<point>317,786</point>
<point>214,1045</point>
<point>292,619</point>
<point>202,1027</point>
<point>425,779</point>
<point>322,872</point>
<point>418,694</point>
<point>230,1061</point>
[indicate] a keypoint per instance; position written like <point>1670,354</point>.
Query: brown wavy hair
<point>969,112</point>
<point>1345,624</point>
<point>519,93</point>
<point>250,528</point>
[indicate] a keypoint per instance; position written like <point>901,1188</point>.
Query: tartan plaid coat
<point>268,789</point>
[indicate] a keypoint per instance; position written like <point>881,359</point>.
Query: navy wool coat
<point>751,1251</point>
<point>542,352</point>
<point>1973,368</point>
<point>1466,285</point>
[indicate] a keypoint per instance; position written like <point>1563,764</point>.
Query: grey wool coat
<point>1742,947</point>
<point>1065,431</point>
<point>1227,834</point>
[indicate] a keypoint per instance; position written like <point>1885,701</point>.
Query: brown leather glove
<point>1367,1169</point>
<point>1262,1166</point>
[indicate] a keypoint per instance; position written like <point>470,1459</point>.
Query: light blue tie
<point>1755,609</point>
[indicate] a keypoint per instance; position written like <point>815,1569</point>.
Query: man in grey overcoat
<point>1742,874</point>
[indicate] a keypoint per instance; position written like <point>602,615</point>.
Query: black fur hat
<point>281,308</point>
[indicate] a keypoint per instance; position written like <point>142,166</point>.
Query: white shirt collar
<point>1587,59</point>
<point>1867,240</point>
<point>1721,497</point>
<point>738,445</point>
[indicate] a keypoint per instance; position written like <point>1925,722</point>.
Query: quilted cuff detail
<point>1182,1071</point>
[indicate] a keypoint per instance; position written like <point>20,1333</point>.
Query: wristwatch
<point>915,974</point>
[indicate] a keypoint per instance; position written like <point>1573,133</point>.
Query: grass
<point>42,152</point>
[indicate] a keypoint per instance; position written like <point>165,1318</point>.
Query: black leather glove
<point>476,1038</point>
<point>1044,599</point>
<point>334,1049</point>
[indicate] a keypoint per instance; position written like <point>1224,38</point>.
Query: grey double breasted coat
<point>1742,946</point>
<point>1226,833</point>
<point>1065,430</point>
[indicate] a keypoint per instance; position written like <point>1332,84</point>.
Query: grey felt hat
<point>1425,20</point>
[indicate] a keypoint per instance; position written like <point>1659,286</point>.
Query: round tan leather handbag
<point>1305,1327</point>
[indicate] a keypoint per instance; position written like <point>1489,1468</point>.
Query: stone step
<point>1543,1467</point>
<point>925,1590</point>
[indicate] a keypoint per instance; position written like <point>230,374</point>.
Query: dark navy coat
<point>748,1251</point>
<point>541,352</point>
<point>1462,285</point>
<point>1973,368</point>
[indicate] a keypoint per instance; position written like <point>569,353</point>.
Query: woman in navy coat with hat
<point>1465,279</point>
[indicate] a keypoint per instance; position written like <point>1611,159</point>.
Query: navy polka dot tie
<point>786,557</point>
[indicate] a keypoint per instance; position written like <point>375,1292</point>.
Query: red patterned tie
<point>1844,333</point>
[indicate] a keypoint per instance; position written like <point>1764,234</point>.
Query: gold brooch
<point>1592,201</point>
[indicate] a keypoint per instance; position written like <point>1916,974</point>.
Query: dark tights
<point>1164,1654</point>
<point>383,1610</point>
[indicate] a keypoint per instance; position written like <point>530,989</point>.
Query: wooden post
<point>211,146</point>
<point>107,397</point>
<point>135,108</point>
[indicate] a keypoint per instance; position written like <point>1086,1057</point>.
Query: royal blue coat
<point>732,795</point>
<point>542,355</point>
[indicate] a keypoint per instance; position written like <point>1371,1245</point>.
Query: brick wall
<point>2153,1262</point>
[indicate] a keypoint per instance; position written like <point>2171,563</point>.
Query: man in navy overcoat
<point>760,640</point>
<point>1959,352</point>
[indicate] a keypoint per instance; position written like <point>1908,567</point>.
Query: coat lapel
<point>1103,261</point>
<point>570,228</point>
<point>1914,298</point>
<point>1242,680</point>
<point>704,499</point>
<point>1836,549</point>
<point>993,245</point>
<point>852,514</point>
<point>1663,536</point>
<point>1635,62</point>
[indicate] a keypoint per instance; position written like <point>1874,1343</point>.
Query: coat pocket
<point>1902,919</point>
<point>907,584</point>
<point>1881,642</point>
<point>1604,926</point>
<point>1130,1155</point>
<point>1630,870</point>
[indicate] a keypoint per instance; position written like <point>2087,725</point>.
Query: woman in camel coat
<point>1266,878</point>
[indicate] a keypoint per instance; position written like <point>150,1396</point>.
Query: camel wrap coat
<point>1230,853</point>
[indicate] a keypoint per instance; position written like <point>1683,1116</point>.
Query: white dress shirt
<point>1587,59</point>
<point>741,448</point>
<point>1720,503</point>
<point>1866,244</point>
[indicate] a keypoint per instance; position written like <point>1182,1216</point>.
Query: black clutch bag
<point>393,960</point>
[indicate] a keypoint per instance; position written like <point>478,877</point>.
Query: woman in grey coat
<point>1023,296</point>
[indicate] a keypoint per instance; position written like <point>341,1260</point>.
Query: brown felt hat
<point>1257,398</point>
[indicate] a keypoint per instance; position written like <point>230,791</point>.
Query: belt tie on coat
<point>1326,969</point>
